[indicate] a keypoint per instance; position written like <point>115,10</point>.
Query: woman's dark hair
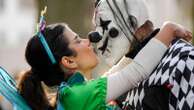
<point>42,68</point>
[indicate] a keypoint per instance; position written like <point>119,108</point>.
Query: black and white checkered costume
<point>175,73</point>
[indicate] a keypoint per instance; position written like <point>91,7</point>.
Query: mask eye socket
<point>133,21</point>
<point>113,32</point>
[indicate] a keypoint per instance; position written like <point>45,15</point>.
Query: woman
<point>75,60</point>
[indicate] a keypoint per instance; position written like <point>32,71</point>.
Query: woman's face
<point>85,57</point>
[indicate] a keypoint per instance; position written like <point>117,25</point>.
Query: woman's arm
<point>120,65</point>
<point>145,61</point>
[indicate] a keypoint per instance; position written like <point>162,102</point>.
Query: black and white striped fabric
<point>174,79</point>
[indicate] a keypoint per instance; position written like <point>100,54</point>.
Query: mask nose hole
<point>94,36</point>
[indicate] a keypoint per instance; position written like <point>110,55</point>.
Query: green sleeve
<point>89,95</point>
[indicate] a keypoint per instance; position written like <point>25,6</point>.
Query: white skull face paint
<point>116,21</point>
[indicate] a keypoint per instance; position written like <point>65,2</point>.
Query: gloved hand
<point>138,47</point>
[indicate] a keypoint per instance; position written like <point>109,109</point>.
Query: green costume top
<point>78,94</point>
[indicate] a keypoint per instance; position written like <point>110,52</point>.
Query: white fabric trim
<point>122,63</point>
<point>139,69</point>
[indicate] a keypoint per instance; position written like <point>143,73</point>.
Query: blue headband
<point>40,27</point>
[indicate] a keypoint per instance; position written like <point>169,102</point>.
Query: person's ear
<point>68,62</point>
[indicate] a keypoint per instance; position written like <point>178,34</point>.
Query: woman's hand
<point>170,31</point>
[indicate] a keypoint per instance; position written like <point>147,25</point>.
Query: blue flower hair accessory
<point>40,27</point>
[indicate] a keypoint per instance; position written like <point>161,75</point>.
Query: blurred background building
<point>18,20</point>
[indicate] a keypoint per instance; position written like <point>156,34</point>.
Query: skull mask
<point>115,24</point>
